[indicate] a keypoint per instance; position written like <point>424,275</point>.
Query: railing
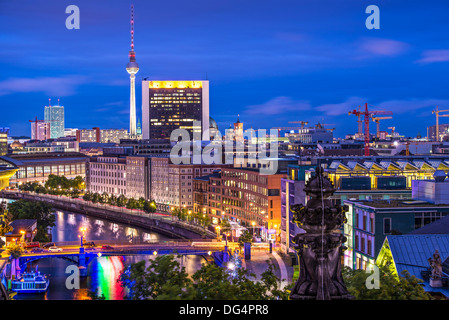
<point>134,212</point>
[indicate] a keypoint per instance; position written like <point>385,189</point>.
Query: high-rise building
<point>170,105</point>
<point>132,68</point>
<point>40,130</point>
<point>55,116</point>
<point>4,141</point>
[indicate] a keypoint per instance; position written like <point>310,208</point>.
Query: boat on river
<point>31,282</point>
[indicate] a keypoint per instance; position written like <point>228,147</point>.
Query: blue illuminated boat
<point>31,282</point>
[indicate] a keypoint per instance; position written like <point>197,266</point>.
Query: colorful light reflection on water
<point>104,273</point>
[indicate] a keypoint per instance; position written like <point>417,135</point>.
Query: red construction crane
<point>35,126</point>
<point>368,114</point>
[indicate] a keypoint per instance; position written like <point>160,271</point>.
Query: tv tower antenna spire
<point>132,68</point>
<point>132,27</point>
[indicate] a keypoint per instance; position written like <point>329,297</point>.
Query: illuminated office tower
<point>4,132</point>
<point>55,116</point>
<point>170,105</point>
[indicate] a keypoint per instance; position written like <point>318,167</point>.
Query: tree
<point>141,202</point>
<point>5,219</point>
<point>26,209</point>
<point>15,250</point>
<point>149,206</point>
<point>391,287</point>
<point>77,183</point>
<point>87,196</point>
<point>132,204</point>
<point>121,201</point>
<point>104,198</point>
<point>245,237</point>
<point>41,235</point>
<point>165,279</point>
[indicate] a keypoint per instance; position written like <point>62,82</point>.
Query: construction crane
<point>437,114</point>
<point>36,126</point>
<point>377,120</point>
<point>303,123</point>
<point>392,131</point>
<point>367,114</point>
<point>359,121</point>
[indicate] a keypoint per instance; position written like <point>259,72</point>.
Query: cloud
<point>431,56</point>
<point>278,105</point>
<point>52,86</point>
<point>408,105</point>
<point>382,47</point>
<point>290,36</point>
<point>396,106</point>
<point>336,109</point>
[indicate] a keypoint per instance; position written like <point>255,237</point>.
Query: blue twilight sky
<point>269,61</point>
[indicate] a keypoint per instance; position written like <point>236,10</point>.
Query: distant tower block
<point>238,130</point>
<point>132,69</point>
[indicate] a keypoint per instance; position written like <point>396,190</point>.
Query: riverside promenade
<point>258,264</point>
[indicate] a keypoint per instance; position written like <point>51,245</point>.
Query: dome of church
<point>212,123</point>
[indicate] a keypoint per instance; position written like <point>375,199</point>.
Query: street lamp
<point>218,231</point>
<point>253,224</point>
<point>83,230</point>
<point>22,238</point>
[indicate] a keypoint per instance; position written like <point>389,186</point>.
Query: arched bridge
<point>82,256</point>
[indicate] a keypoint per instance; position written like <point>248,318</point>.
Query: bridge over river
<point>161,223</point>
<point>83,255</point>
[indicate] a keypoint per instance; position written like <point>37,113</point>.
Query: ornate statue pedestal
<point>435,283</point>
<point>320,248</point>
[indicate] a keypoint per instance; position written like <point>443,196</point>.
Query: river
<point>103,272</point>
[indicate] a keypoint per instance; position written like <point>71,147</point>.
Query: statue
<point>436,266</point>
<point>320,248</point>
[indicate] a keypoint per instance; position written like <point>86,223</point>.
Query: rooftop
<point>22,224</point>
<point>396,203</point>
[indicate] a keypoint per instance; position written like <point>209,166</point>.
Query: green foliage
<point>121,201</point>
<point>165,279</point>
<point>132,204</point>
<point>5,219</point>
<point>149,206</point>
<point>59,185</point>
<point>26,209</point>
<point>15,250</point>
<point>41,235</point>
<point>94,295</point>
<point>245,237</point>
<point>391,287</point>
<point>162,279</point>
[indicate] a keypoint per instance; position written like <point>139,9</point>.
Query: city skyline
<point>310,61</point>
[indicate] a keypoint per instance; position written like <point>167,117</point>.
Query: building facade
<point>40,130</point>
<point>4,140</point>
<point>292,192</point>
<point>107,174</point>
<point>101,135</point>
<point>172,184</point>
<point>243,196</point>
<point>55,116</point>
<point>369,222</point>
<point>170,105</point>
<point>37,167</point>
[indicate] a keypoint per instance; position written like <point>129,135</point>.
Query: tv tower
<point>132,67</point>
